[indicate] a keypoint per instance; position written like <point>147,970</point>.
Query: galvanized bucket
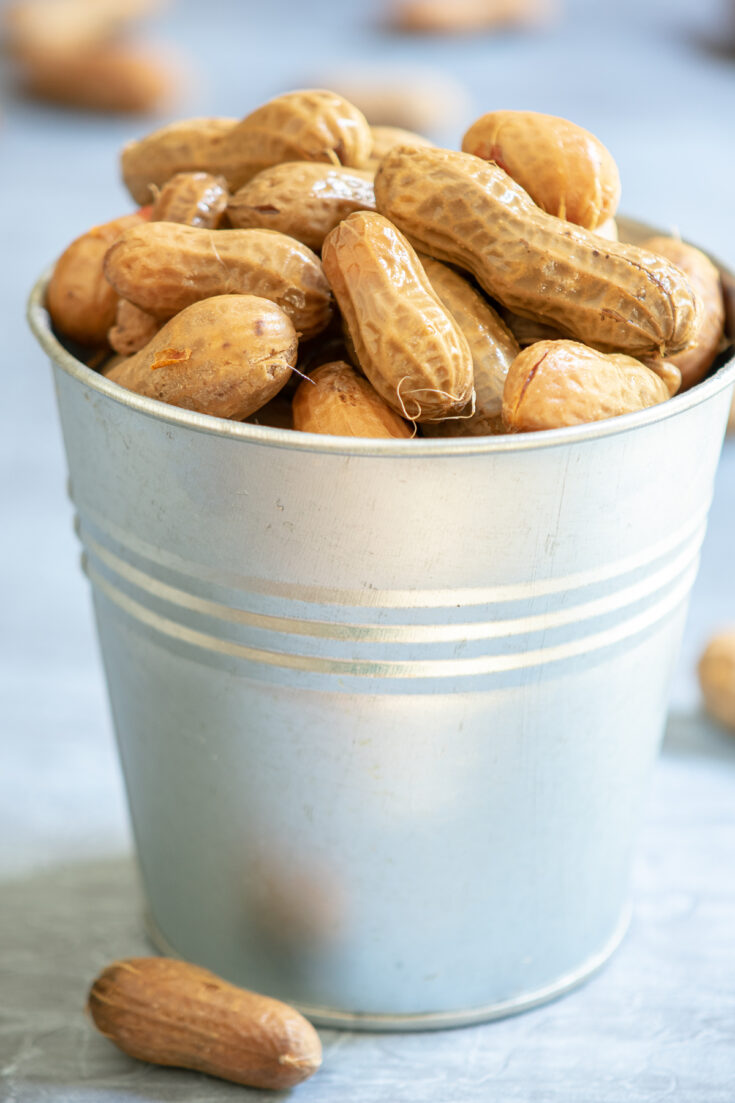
<point>387,709</point>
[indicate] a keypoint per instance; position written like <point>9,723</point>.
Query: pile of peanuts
<point>302,269</point>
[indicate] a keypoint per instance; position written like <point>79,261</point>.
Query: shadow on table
<point>693,734</point>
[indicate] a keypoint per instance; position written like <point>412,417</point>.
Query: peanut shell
<point>336,400</point>
<point>460,209</point>
<point>79,299</point>
<point>694,361</point>
<point>405,341</point>
<point>169,266</point>
<point>565,169</point>
<point>493,348</point>
<point>557,383</point>
<point>226,356</point>
<point>304,199</point>
<point>183,146</point>
<point>172,1013</point>
<point>193,199</point>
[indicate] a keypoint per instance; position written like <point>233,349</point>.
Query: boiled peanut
<point>556,383</point>
<point>183,146</point>
<point>336,400</point>
<point>405,341</point>
<point>79,299</point>
<point>172,1013</point>
<point>695,360</point>
<point>193,199</point>
<point>305,199</point>
<point>469,212</point>
<point>133,328</point>
<point>464,16</point>
<point>565,169</point>
<point>111,77</point>
<point>493,349</point>
<point>312,125</point>
<point>171,266</point>
<point>387,137</point>
<point>717,678</point>
<point>225,356</point>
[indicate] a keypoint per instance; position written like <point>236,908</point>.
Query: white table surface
<point>658,1023</point>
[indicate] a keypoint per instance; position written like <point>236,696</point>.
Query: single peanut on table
<point>80,300</point>
<point>336,400</point>
<point>406,342</point>
<point>695,360</point>
<point>557,383</point>
<point>171,266</point>
<point>172,1013</point>
<point>565,169</point>
<point>717,678</point>
<point>226,356</point>
<point>304,199</point>
<point>310,125</point>
<point>493,348</point>
<point>460,209</point>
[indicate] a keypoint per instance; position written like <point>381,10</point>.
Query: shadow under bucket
<point>387,709</point>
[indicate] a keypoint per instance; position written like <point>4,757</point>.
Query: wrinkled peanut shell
<point>338,401</point>
<point>460,209</point>
<point>405,340</point>
<point>304,199</point>
<point>169,266</point>
<point>172,1013</point>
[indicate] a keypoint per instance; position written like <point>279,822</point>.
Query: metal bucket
<point>387,709</point>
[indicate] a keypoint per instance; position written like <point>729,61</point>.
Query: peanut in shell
<point>553,384</point>
<point>338,401</point>
<point>184,146</point>
<point>172,1013</point>
<point>225,356</point>
<point>694,361</point>
<point>170,266</point>
<point>493,348</point>
<point>309,125</point>
<point>405,341</point>
<point>193,199</point>
<point>79,298</point>
<point>460,209</point>
<point>565,169</point>
<point>304,199</point>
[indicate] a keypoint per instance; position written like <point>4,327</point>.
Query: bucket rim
<point>295,440</point>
